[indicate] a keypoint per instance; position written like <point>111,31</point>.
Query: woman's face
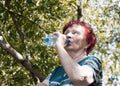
<point>76,34</point>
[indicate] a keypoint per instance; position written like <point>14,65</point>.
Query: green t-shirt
<point>59,78</point>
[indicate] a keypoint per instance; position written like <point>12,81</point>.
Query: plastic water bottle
<point>50,40</point>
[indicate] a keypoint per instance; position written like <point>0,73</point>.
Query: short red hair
<point>90,36</point>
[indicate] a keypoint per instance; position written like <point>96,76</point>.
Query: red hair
<point>89,34</point>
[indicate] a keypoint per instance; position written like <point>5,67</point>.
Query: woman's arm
<point>78,74</point>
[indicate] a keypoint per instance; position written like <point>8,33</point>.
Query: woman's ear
<point>87,46</point>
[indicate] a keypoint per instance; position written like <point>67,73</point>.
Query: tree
<point>24,23</point>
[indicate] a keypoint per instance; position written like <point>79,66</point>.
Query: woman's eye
<point>75,32</point>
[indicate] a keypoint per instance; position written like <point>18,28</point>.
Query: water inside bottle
<point>50,40</point>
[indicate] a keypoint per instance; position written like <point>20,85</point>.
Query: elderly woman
<point>77,67</point>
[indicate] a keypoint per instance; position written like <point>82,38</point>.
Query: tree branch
<point>24,17</point>
<point>6,46</point>
<point>80,11</point>
<point>27,64</point>
<point>14,18</point>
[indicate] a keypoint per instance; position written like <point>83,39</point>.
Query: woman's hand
<point>61,39</point>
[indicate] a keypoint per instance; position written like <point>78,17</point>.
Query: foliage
<point>107,27</point>
<point>36,18</point>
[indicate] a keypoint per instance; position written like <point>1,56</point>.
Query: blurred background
<point>24,23</point>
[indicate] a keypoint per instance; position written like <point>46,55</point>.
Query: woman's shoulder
<point>94,59</point>
<point>91,60</point>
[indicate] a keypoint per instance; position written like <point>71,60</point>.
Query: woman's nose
<point>69,35</point>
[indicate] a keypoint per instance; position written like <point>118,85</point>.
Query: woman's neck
<point>77,56</point>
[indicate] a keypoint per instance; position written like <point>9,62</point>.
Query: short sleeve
<point>96,65</point>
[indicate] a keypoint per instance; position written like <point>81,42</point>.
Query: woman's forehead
<point>76,27</point>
